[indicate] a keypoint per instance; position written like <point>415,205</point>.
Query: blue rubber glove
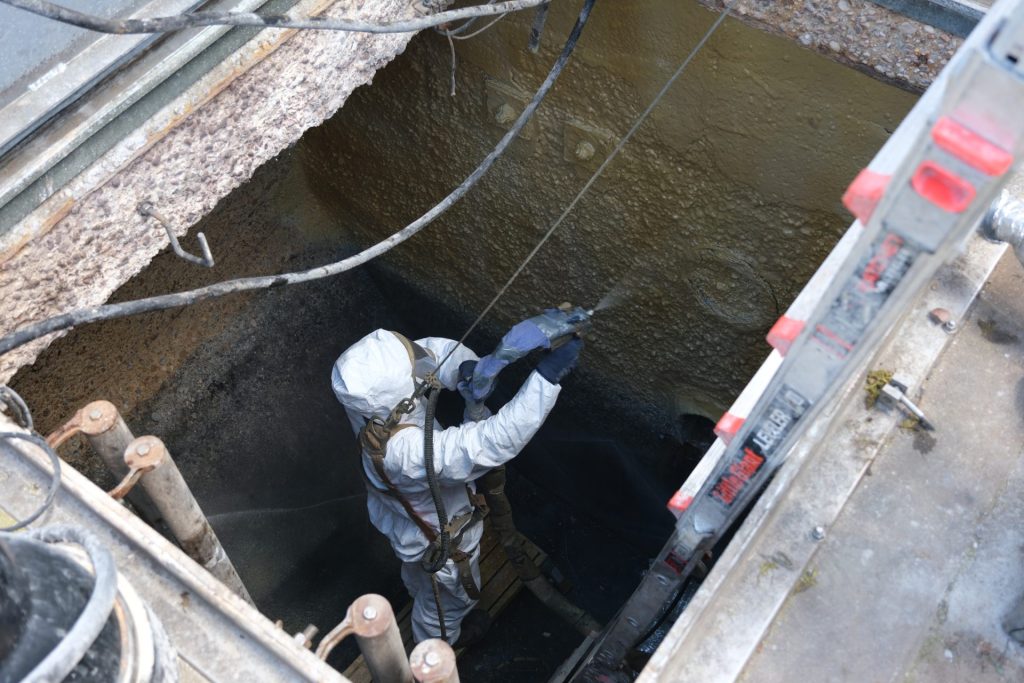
<point>475,410</point>
<point>525,337</point>
<point>558,363</point>
<point>518,342</point>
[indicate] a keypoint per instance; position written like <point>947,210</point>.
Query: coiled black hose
<point>59,663</point>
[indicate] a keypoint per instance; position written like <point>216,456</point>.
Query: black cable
<point>90,622</point>
<point>539,19</point>
<point>434,563</point>
<point>54,483</point>
<point>178,22</point>
<point>440,608</point>
<point>17,407</point>
<point>93,314</point>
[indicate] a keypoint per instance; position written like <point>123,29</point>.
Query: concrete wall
<point>707,225</point>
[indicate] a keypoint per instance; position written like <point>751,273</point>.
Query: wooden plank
<point>500,584</point>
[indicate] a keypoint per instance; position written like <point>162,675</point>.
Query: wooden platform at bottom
<point>500,585</point>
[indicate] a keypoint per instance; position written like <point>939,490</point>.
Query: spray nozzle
<point>560,324</point>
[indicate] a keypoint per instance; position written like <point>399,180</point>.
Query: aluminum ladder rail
<point>916,203</point>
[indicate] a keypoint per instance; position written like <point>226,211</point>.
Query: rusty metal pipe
<point>109,436</point>
<point>376,631</point>
<point>181,512</point>
<point>167,497</point>
<point>433,661</point>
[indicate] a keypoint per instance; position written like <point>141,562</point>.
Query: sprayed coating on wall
<point>704,229</point>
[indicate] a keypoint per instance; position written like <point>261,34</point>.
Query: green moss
<point>876,379</point>
<point>910,424</point>
<point>807,580</point>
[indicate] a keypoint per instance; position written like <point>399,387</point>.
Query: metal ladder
<point>916,203</point>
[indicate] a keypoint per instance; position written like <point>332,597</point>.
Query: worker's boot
<point>474,626</point>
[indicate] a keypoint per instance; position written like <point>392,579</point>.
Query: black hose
<point>17,407</point>
<point>539,19</point>
<point>63,658</point>
<point>435,561</point>
<point>93,314</point>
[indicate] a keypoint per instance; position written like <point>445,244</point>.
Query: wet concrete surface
<point>262,228</point>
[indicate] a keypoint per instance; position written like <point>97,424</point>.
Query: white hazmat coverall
<point>370,379</point>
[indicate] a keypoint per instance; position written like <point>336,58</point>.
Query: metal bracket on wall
<point>146,209</point>
<point>585,144</point>
<point>952,16</point>
<point>504,105</point>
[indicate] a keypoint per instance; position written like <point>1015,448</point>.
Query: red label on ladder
<point>783,333</point>
<point>942,187</point>
<point>680,501</point>
<point>971,148</point>
<point>728,426</point>
<point>864,193</point>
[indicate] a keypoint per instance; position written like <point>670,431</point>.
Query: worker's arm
<point>465,452</point>
<point>448,374</point>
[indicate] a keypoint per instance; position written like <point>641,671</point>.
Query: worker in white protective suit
<point>370,379</point>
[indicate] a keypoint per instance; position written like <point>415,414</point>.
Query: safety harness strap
<point>421,360</point>
<point>374,438</point>
<point>374,446</point>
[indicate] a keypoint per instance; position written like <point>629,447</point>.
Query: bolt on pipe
<point>433,661</point>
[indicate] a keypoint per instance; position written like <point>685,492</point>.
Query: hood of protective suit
<point>373,375</point>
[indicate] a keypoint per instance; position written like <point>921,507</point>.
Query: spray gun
<point>550,329</point>
<point>560,324</point>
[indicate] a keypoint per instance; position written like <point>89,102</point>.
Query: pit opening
<point>250,418</point>
<point>701,236</point>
